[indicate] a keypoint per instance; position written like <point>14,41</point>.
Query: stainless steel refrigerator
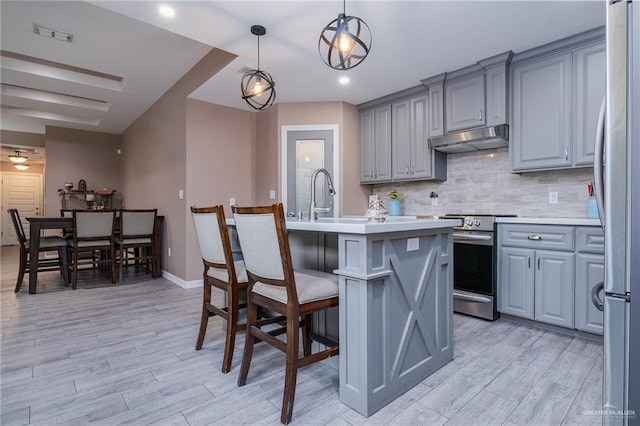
<point>618,196</point>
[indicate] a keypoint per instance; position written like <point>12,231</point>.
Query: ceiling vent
<point>47,32</point>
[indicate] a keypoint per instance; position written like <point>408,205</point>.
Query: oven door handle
<point>471,237</point>
<point>472,298</point>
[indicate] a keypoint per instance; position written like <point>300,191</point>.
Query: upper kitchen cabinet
<point>476,96</point>
<point>411,157</point>
<point>464,99</point>
<point>435,85</point>
<point>394,139</point>
<point>556,94</point>
<point>375,144</point>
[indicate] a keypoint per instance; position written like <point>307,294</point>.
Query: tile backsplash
<point>482,182</point>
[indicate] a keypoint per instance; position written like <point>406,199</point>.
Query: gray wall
<point>481,182</point>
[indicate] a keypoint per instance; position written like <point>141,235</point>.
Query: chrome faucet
<point>313,210</point>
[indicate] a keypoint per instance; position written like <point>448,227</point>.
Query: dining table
<point>39,223</point>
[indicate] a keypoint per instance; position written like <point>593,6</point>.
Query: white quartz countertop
<point>360,225</point>
<point>571,221</point>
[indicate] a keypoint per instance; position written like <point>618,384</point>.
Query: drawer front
<point>546,237</point>
<point>590,239</point>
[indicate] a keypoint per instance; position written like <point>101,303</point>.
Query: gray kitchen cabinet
<point>411,156</point>
<point>541,119</point>
<point>394,139</point>
<point>554,287</point>
<point>375,144</point>
<point>435,121</point>
<point>536,272</point>
<point>464,101</point>
<point>590,64</point>
<point>556,92</point>
<point>516,282</point>
<point>589,272</point>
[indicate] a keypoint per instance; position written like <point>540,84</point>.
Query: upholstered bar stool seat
<point>310,285</point>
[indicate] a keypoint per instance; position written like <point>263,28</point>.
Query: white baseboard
<point>180,282</point>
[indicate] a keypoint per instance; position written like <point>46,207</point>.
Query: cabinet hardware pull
<point>412,169</point>
<point>538,264</point>
<point>534,237</point>
<point>529,261</point>
<point>408,172</point>
<point>480,115</point>
<point>566,154</point>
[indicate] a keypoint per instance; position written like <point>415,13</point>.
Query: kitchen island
<point>395,318</point>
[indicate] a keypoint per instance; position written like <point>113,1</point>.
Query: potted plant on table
<point>394,202</point>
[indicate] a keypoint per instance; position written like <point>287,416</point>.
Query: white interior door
<point>22,191</point>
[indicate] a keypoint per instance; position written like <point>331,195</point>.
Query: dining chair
<point>47,244</point>
<point>93,230</point>
<point>137,234</point>
<point>222,272</point>
<point>274,285</point>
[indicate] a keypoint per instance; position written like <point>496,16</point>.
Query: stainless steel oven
<point>474,260</point>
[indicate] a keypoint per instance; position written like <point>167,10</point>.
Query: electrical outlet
<point>272,194</point>
<point>553,197</point>
<point>232,201</point>
<point>434,201</point>
<point>413,244</point>
<point>181,194</point>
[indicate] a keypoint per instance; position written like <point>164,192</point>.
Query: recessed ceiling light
<point>166,11</point>
<point>344,80</point>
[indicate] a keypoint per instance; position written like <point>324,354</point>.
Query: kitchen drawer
<point>537,236</point>
<point>590,239</point>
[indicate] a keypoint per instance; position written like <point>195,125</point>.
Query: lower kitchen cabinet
<point>516,282</point>
<point>589,272</point>
<point>546,273</point>
<point>537,285</point>
<point>555,276</point>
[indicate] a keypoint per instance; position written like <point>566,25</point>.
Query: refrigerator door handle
<point>598,158</point>
<point>595,296</point>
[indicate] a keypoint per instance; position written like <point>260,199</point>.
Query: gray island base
<point>395,318</point>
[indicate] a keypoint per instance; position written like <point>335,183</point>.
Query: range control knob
<point>477,222</point>
<point>468,222</point>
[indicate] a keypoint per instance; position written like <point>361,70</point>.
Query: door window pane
<point>309,157</point>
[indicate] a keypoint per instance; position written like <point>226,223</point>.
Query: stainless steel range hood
<point>472,139</point>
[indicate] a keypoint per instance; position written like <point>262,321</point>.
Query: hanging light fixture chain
<point>258,53</point>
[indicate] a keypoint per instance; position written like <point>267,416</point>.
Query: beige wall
<point>267,172</point>
<point>72,155</point>
<point>155,153</point>
<point>221,157</point>
<point>353,196</point>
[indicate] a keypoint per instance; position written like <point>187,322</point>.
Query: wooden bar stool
<point>222,272</point>
<point>274,285</point>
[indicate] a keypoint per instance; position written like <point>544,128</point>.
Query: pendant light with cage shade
<point>345,42</point>
<point>258,87</point>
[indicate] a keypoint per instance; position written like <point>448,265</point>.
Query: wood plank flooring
<point>125,354</point>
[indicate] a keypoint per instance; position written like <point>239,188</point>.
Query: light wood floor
<point>125,354</point>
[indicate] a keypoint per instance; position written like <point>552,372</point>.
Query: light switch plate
<point>434,201</point>
<point>232,201</point>
<point>553,197</point>
<point>413,244</point>
<point>181,194</point>
<point>272,194</point>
